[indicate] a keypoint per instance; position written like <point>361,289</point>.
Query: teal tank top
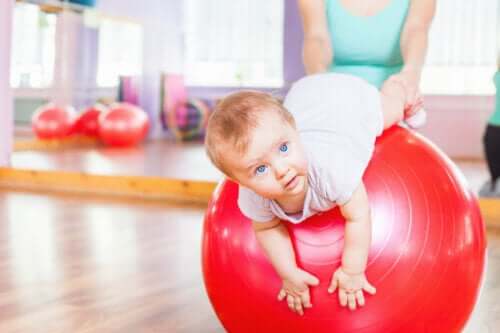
<point>495,117</point>
<point>367,46</point>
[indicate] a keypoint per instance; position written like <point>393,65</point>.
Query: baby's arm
<point>350,278</point>
<point>274,239</point>
<point>357,236</point>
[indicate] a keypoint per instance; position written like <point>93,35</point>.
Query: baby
<point>305,156</point>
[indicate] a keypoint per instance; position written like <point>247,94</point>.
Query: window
<point>33,47</point>
<point>462,52</point>
<point>120,51</point>
<point>234,43</point>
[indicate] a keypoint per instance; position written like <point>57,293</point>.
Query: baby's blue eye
<point>260,169</point>
<point>284,148</point>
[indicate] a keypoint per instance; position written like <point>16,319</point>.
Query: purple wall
<point>6,101</point>
<point>294,69</point>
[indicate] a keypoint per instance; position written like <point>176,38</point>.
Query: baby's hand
<point>295,290</point>
<point>351,288</point>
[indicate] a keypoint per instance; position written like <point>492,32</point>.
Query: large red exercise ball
<point>426,259</point>
<point>123,124</point>
<point>51,121</point>
<point>87,123</point>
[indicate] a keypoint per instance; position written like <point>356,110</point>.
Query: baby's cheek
<point>301,159</point>
<point>302,164</point>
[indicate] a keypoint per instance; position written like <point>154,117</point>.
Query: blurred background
<point>78,53</point>
<point>103,176</point>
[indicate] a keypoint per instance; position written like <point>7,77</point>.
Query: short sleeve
<point>345,185</point>
<point>340,173</point>
<point>253,206</point>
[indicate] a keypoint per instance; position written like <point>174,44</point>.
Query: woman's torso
<point>367,46</point>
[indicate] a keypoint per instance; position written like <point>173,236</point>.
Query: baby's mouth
<point>291,182</point>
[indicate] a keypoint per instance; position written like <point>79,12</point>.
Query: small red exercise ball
<point>52,122</point>
<point>87,121</point>
<point>123,124</point>
<point>426,259</point>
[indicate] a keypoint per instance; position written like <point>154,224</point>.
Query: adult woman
<point>373,39</point>
<point>491,142</point>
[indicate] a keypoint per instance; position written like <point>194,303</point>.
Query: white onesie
<point>338,117</point>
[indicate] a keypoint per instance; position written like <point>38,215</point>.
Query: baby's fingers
<point>333,285</point>
<point>369,288</point>
<point>290,300</point>
<point>342,297</point>
<point>360,298</point>
<point>306,299</point>
<point>298,306</point>
<point>351,301</point>
<point>281,295</point>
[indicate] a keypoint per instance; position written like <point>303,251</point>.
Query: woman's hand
<point>410,79</point>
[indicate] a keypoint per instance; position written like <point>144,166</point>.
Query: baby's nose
<point>281,170</point>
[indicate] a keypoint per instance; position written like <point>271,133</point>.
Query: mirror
<point>175,59</point>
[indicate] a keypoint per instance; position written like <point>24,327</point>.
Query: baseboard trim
<point>76,141</point>
<point>155,188</point>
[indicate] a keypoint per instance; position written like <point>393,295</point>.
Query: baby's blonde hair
<point>233,120</point>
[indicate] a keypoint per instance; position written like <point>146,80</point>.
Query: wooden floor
<point>74,265</point>
<point>70,264</point>
<point>159,158</point>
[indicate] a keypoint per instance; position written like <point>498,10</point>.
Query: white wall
<point>6,102</point>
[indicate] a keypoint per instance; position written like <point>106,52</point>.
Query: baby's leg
<point>393,97</point>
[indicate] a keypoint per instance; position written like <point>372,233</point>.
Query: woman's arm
<point>413,43</point>
<point>414,37</point>
<point>317,50</point>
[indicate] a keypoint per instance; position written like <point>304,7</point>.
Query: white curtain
<point>462,52</point>
<point>234,43</point>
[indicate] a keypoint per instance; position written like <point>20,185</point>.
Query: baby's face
<point>274,165</point>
